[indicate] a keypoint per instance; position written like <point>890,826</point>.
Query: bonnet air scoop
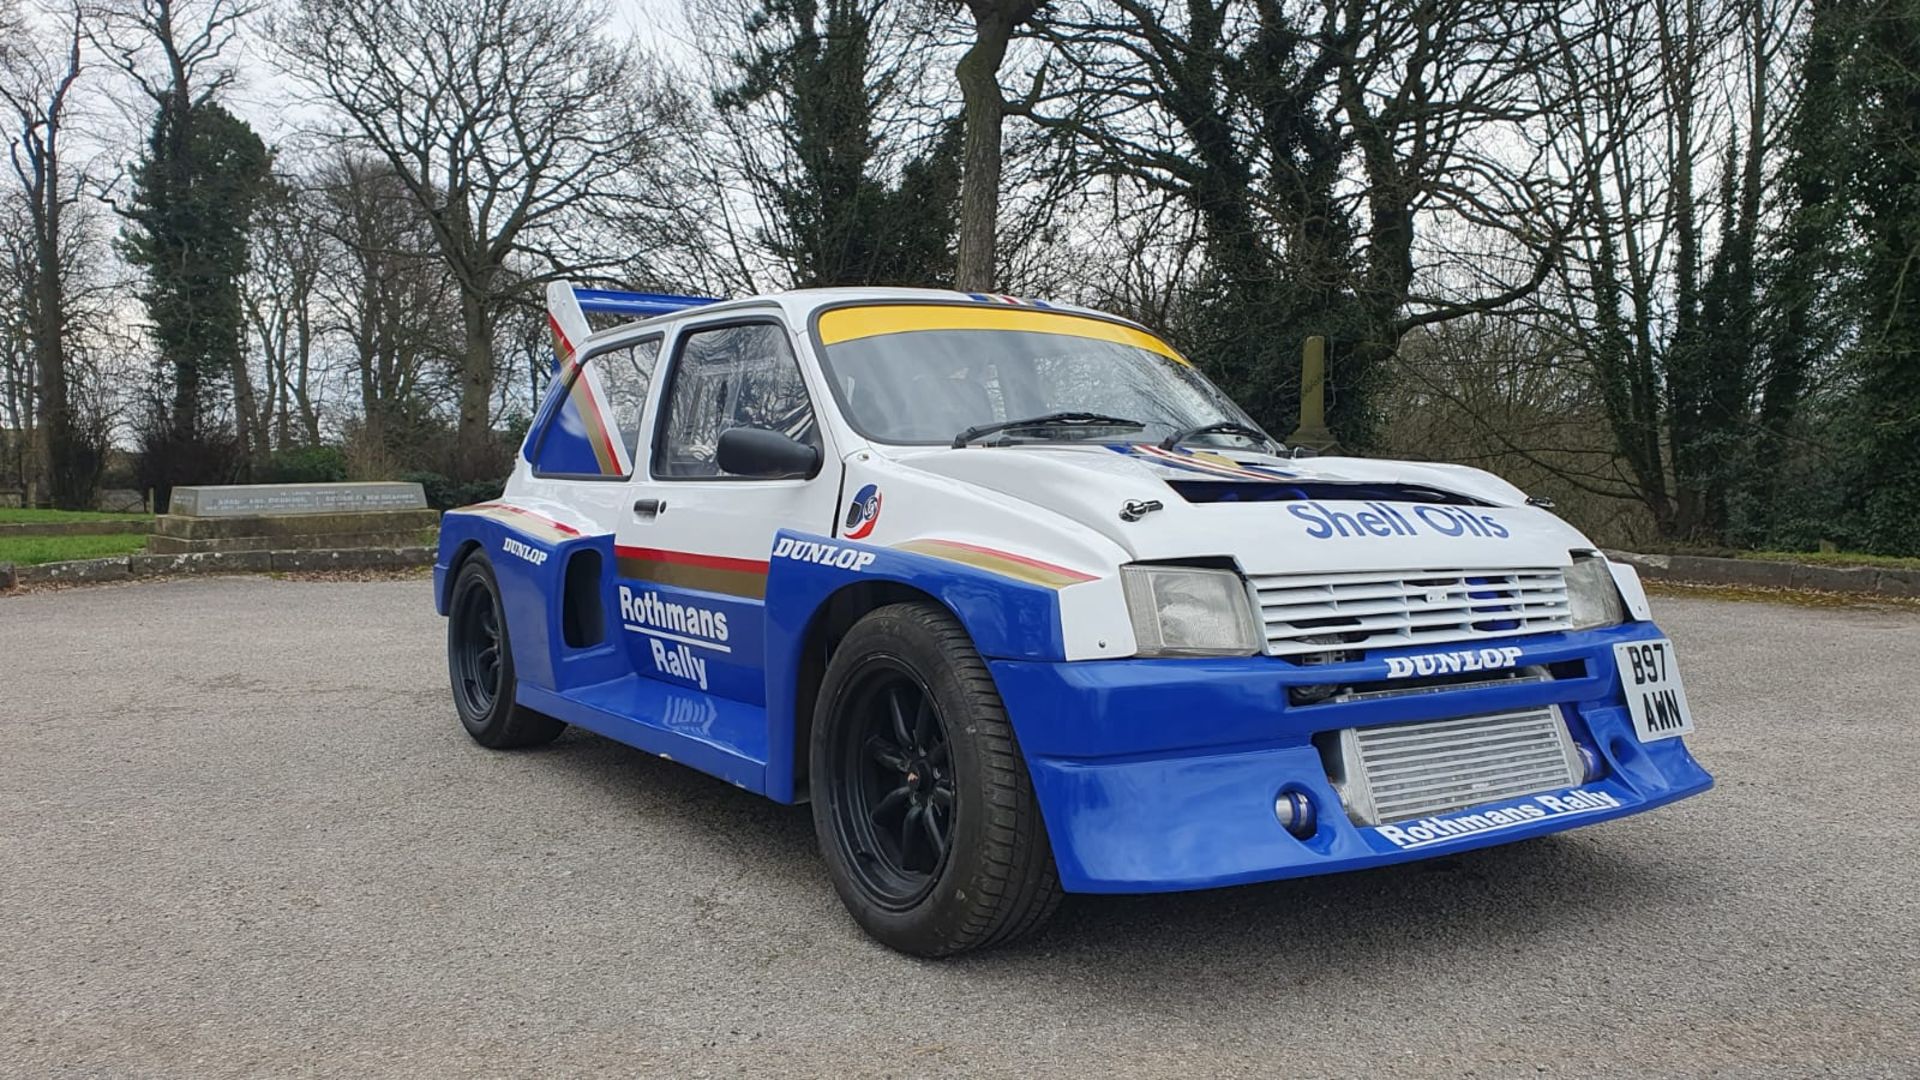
<point>1213,476</point>
<point>1237,491</point>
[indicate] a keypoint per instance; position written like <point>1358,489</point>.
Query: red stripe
<point>693,558</point>
<point>590,413</point>
<point>560,336</point>
<point>588,407</point>
<point>1021,559</point>
<point>557,526</point>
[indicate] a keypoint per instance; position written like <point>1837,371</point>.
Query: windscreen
<point>933,372</point>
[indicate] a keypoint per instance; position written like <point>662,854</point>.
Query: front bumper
<point>1161,775</point>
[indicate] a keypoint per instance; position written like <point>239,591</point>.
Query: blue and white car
<point>1023,605</point>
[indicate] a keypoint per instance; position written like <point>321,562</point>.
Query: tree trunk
<point>67,476</point>
<point>309,418</point>
<point>978,73</point>
<point>985,113</point>
<point>248,430</point>
<point>473,438</point>
<point>70,464</point>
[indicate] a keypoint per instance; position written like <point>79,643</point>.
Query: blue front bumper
<point>1161,775</point>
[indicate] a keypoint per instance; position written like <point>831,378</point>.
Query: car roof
<point>801,304</point>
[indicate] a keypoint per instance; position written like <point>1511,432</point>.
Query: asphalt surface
<point>241,834</point>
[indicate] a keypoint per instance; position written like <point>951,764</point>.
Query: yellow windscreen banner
<point>854,323</point>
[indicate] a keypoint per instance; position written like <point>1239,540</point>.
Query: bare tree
<point>390,297</point>
<point>1659,295</point>
<point>18,393</point>
<point>36,88</point>
<point>1356,170</point>
<point>281,297</point>
<point>175,51</point>
<point>514,126</point>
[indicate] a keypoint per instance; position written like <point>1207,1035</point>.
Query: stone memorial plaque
<point>272,500</point>
<point>119,501</point>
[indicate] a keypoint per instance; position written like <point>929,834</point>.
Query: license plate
<point>1650,679</point>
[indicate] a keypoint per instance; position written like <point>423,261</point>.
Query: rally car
<point>1024,605</point>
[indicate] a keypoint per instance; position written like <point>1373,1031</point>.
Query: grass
<point>1809,558</point>
<point>1835,558</point>
<point>1754,593</point>
<point>14,516</point>
<point>34,550</point>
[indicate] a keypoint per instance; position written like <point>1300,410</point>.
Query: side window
<point>595,431</point>
<point>727,377</point>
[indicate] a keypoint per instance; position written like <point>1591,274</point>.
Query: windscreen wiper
<point>1219,427</point>
<point>1045,420</point>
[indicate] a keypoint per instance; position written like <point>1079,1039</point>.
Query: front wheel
<point>480,664</point>
<point>921,799</point>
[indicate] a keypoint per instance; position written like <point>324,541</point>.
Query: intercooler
<point>1404,771</point>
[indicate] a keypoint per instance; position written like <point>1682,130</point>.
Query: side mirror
<point>768,455</point>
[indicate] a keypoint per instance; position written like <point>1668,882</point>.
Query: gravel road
<point>241,834</point>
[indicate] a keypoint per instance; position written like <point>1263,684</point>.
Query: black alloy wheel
<point>926,816</point>
<point>475,651</point>
<point>480,665</point>
<point>898,812</point>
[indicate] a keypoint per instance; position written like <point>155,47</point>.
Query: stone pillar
<point>1312,432</point>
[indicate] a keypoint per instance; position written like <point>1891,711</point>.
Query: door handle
<point>647,508</point>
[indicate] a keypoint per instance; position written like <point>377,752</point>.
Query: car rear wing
<point>569,305</point>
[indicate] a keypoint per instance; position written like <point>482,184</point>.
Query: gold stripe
<point>596,427</point>
<point>995,564</point>
<point>741,583</point>
<point>521,523</point>
<point>853,323</point>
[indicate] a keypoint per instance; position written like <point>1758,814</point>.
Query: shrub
<point>165,459</point>
<point>303,465</point>
<point>446,494</point>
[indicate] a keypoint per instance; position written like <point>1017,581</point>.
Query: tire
<point>480,665</point>
<point>921,799</point>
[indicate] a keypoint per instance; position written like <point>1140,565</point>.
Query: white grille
<point>1413,770</point>
<point>1316,617</point>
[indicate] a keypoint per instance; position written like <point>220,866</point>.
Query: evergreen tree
<point>1810,277</point>
<point>194,195</point>
<point>1886,190</point>
<point>839,220</point>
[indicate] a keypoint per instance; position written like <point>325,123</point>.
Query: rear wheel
<point>480,664</point>
<point>921,799</point>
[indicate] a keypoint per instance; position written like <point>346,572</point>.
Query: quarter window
<point>595,430</point>
<point>728,377</point>
<point>628,374</point>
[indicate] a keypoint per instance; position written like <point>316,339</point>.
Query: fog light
<point>1595,764</point>
<point>1296,814</point>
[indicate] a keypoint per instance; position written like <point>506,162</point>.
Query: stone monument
<point>284,517</point>
<point>1312,432</point>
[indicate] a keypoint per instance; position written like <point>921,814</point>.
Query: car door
<point>691,553</point>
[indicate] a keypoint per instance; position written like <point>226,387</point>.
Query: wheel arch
<point>458,558</point>
<point>836,615</point>
<point>818,587</point>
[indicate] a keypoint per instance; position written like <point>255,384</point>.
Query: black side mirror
<point>768,455</point>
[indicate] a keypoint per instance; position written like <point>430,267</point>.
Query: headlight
<point>1592,597</point>
<point>1184,611</point>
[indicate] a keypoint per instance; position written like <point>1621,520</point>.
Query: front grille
<point>1316,618</point>
<point>1403,771</point>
